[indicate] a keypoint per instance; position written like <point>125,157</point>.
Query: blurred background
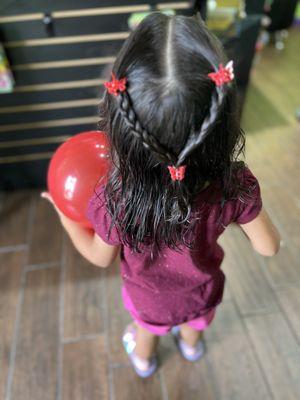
<point>61,319</point>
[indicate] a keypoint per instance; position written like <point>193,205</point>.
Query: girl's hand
<point>47,196</point>
<point>66,222</point>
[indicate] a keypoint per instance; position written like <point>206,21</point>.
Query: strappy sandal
<point>189,353</point>
<point>143,368</point>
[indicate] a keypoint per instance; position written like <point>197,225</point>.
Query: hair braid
<point>198,137</point>
<point>148,141</point>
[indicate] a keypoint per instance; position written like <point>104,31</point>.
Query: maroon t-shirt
<point>171,287</point>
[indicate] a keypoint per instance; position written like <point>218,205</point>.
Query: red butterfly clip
<point>223,75</point>
<point>177,174</point>
<point>116,86</point>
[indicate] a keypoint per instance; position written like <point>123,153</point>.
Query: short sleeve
<point>100,219</point>
<point>249,203</point>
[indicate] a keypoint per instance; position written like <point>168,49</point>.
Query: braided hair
<point>170,114</point>
<point>147,140</point>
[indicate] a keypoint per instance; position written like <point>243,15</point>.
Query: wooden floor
<point>61,319</point>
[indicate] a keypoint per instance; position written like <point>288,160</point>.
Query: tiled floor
<point>61,319</point>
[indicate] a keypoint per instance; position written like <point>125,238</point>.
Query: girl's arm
<point>89,244</point>
<point>263,235</point>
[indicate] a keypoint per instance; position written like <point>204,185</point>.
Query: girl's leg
<point>146,343</point>
<point>189,335</point>
<point>189,342</point>
<point>192,331</point>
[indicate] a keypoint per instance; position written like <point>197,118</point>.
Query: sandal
<point>189,353</point>
<point>143,368</point>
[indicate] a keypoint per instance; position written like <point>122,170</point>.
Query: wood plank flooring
<point>61,319</point>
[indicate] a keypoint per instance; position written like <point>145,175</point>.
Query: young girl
<point>175,184</point>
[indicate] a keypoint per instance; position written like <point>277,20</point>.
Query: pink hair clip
<point>116,86</point>
<point>223,75</point>
<point>177,173</point>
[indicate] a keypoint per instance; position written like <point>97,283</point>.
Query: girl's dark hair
<point>170,114</point>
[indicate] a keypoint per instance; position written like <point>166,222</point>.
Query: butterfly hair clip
<point>223,75</point>
<point>116,86</point>
<point>177,173</point>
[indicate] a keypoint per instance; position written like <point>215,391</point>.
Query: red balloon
<point>76,168</point>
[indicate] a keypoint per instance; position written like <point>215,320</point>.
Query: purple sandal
<point>189,353</point>
<point>143,368</point>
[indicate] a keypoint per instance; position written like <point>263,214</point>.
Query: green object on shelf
<point>297,13</point>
